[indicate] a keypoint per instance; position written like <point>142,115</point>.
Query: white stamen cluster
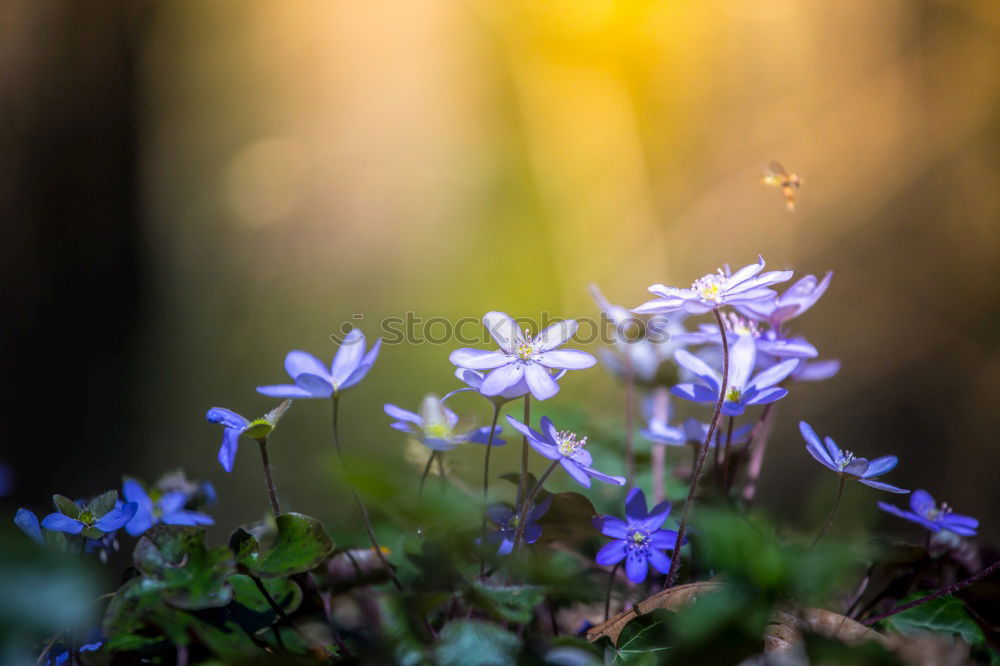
<point>638,539</point>
<point>525,350</point>
<point>846,458</point>
<point>569,444</point>
<point>740,325</point>
<point>709,288</point>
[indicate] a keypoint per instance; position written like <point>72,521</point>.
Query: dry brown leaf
<point>784,629</point>
<point>671,599</point>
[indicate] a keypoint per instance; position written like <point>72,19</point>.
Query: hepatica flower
<point>311,377</point>
<point>797,299</point>
<point>845,463</point>
<point>566,448</point>
<point>692,432</point>
<point>714,290</point>
<point>474,379</point>
<point>167,508</point>
<point>505,519</point>
<point>926,512</point>
<point>236,426</point>
<point>434,426</point>
<point>101,515</point>
<point>639,539</point>
<point>28,523</point>
<point>523,363</point>
<point>768,341</point>
<point>742,390</point>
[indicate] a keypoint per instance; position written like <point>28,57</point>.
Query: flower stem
<point>955,587</point>
<point>423,477</point>
<point>833,513</point>
<point>357,499</point>
<point>272,492</point>
<point>757,446</point>
<point>629,452</point>
<point>522,489</point>
<point>486,482</point>
<point>700,461</point>
<point>522,519</point>
<point>440,459</point>
<point>607,596</point>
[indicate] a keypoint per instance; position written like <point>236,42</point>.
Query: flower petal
<point>348,356</point>
<point>695,393</point>
<point>285,391</point>
<point>878,485</point>
<point>881,465</point>
<point>502,378</point>
<point>117,517</point>
<point>540,382</point>
<point>226,417</point>
<point>657,516</point>
<point>774,374</point>
<point>58,522</point>
<point>471,378</point>
<point>478,359</point>
<point>555,335</point>
<point>503,329</point>
<point>659,561</point>
<point>606,478</point>
<point>698,367</point>
<point>636,567</point>
<point>921,502</point>
<point>401,414</point>
<point>574,471</point>
<point>568,359</point>
<point>660,305</point>
<point>611,553</point>
<point>355,377</point>
<point>745,273</point>
<point>298,362</point>
<point>664,539</point>
<point>742,357</point>
<point>609,526</point>
<point>227,452</point>
<point>815,446</point>
<point>635,505</point>
<point>27,522</point>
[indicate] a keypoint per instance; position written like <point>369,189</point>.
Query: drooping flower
<point>166,508</point>
<point>100,516</point>
<point>794,301</point>
<point>715,290</point>
<point>769,341</point>
<point>236,426</point>
<point>523,362</point>
<point>28,523</point>
<point>639,539</point>
<point>741,390</point>
<point>505,519</point>
<point>313,380</point>
<point>565,447</point>
<point>925,511</point>
<point>434,426</point>
<point>845,463</point>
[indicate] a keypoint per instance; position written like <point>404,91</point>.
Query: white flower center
<point>709,288</point>
<point>938,512</point>
<point>740,325</point>
<point>846,458</point>
<point>638,539</point>
<point>525,350</point>
<point>569,444</point>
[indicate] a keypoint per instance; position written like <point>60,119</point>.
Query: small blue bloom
<point>474,379</point>
<point>692,433</point>
<point>167,508</point>
<point>771,342</point>
<point>828,454</point>
<point>313,380</point>
<point>797,299</point>
<point>505,518</point>
<point>523,363</point>
<point>235,425</point>
<point>715,290</point>
<point>567,449</point>
<point>109,522</point>
<point>741,390</point>
<point>434,426</point>
<point>925,512</point>
<point>27,521</point>
<point>639,539</point>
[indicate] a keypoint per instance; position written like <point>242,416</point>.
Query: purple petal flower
<point>312,379</point>
<point>565,447</point>
<point>797,299</point>
<point>522,364</point>
<point>772,342</point>
<point>28,523</point>
<point>639,539</point>
<point>714,290</point>
<point>505,519</point>
<point>845,463</point>
<point>235,425</point>
<point>167,508</point>
<point>434,426</point>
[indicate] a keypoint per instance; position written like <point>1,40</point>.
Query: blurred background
<point>188,190</point>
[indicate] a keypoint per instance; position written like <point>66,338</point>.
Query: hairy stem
<point>357,499</point>
<point>272,492</point>
<point>702,451</point>
<point>522,488</point>
<point>486,482</point>
<point>423,477</point>
<point>607,596</point>
<point>951,589</point>
<point>833,512</point>
<point>522,519</point>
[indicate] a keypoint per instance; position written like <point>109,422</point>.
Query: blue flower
<point>797,299</point>
<point>167,508</point>
<point>313,380</point>
<point>235,426</point>
<point>715,290</point>
<point>639,539</point>
<point>434,426</point>
<point>741,390</point>
<point>94,517</point>
<point>474,379</point>
<point>815,371</point>
<point>692,433</point>
<point>523,364</point>
<point>845,463</point>
<point>505,518</point>
<point>27,522</point>
<point>769,341</point>
<point>926,512</point>
<point>565,448</point>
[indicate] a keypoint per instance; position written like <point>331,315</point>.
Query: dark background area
<point>190,190</point>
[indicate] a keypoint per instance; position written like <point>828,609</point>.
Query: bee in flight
<point>776,176</point>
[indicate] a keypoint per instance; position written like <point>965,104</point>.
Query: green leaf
<point>252,609</point>
<point>103,503</point>
<point>573,651</point>
<point>644,638</point>
<point>193,576</point>
<point>509,603</point>
<point>568,519</point>
<point>66,506</point>
<point>475,643</point>
<point>302,544</point>
<point>945,615</point>
<point>405,626</point>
